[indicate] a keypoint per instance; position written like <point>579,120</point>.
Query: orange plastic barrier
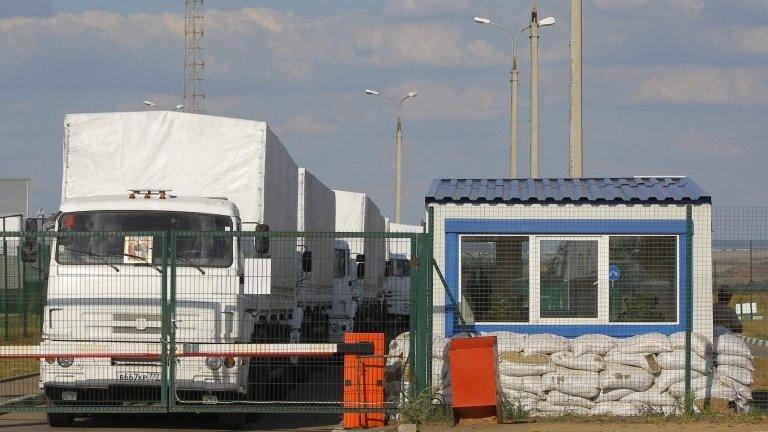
<point>364,382</point>
<point>473,378</point>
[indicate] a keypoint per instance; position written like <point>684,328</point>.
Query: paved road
<point>14,422</point>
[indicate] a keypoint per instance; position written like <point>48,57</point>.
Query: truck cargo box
<point>356,212</point>
<point>316,212</point>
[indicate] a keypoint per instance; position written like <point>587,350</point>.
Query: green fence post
<point>172,326</point>
<point>22,286</point>
<point>688,305</point>
<point>420,315</point>
<point>6,329</point>
<point>164,333</point>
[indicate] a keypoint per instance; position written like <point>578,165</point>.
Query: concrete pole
<point>514,83</point>
<point>398,169</point>
<point>576,148</point>
<point>534,91</point>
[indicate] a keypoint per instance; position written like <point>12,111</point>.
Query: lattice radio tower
<point>194,65</point>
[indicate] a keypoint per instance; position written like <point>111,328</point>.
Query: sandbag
<point>513,395</point>
<point>563,399</point>
<point>668,377</point>
<point>715,390</point>
<point>615,409</point>
<point>646,361</point>
<point>735,360</point>
<point>544,344</point>
<point>612,395</point>
<point>552,409</point>
<point>699,344</point>
<point>578,383</point>
<point>729,343</point>
<point>524,404</point>
<point>620,376</point>
<point>586,362</point>
<point>678,389</point>
<point>645,343</point>
<point>592,344</point>
<point>676,360</point>
<point>518,364</point>
<point>744,376</point>
<point>650,398</point>
<point>507,341</point>
<point>741,389</point>
<point>529,384</point>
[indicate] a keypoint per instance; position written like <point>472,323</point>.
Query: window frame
<point>603,263</point>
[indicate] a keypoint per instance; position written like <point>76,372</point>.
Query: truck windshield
<point>401,267</point>
<point>109,245</point>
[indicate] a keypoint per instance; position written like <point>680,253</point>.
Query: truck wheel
<point>230,421</point>
<point>60,419</point>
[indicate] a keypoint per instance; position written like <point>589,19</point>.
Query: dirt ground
<point>595,426</point>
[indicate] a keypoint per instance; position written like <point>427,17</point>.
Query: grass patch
<point>18,333</point>
<point>14,367</point>
<point>428,407</point>
<point>755,416</point>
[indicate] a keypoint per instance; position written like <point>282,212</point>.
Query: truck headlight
<point>214,363</point>
<point>229,362</point>
<point>66,361</point>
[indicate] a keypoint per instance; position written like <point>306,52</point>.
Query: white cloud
<point>305,124</point>
<point>427,7</point>
<point>653,7</point>
<point>439,101</point>
<point>711,145</point>
<point>753,40</point>
<point>703,85</point>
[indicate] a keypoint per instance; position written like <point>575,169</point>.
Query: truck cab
<point>105,294</point>
<point>397,285</point>
<point>348,285</point>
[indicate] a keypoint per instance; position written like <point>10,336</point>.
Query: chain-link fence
<point>218,321</point>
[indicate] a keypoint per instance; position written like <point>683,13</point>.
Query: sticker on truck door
<point>137,249</point>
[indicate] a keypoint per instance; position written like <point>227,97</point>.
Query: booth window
<point>646,290</point>
<point>568,278</point>
<point>494,277</point>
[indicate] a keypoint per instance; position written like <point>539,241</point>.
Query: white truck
<point>154,172</point>
<point>359,303</point>
<point>397,285</point>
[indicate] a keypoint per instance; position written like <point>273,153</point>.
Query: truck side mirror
<point>360,270</point>
<point>360,258</point>
<point>261,244</point>
<point>388,269</point>
<point>306,262</point>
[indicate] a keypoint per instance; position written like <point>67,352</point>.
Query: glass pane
<point>646,287</point>
<point>494,277</point>
<point>568,279</point>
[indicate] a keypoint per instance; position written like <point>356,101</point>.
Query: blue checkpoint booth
<point>614,256</point>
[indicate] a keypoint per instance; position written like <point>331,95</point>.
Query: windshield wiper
<point>97,256</point>
<point>144,260</point>
<point>189,261</point>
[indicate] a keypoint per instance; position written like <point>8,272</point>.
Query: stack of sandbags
<point>396,370</point>
<point>734,370</point>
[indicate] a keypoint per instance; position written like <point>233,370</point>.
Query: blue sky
<point>675,87</point>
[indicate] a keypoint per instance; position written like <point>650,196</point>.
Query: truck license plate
<point>139,376</point>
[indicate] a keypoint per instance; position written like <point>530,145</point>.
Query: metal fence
<point>239,322</point>
<point>226,322</point>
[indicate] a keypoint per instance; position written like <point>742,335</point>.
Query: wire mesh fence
<point>596,309</point>
<point>219,321</point>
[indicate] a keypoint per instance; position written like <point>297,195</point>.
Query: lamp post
<point>151,104</point>
<point>514,87</point>
<point>398,148</point>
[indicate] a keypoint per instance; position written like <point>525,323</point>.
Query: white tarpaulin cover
<point>190,154</point>
<point>317,213</point>
<point>355,212</point>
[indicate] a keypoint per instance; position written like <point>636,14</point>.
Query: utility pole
<point>194,94</point>
<point>534,92</point>
<point>515,84</point>
<point>398,169</point>
<point>576,164</point>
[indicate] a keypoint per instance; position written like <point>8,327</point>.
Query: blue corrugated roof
<point>569,190</point>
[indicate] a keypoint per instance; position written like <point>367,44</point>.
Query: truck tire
<point>230,420</point>
<point>60,419</point>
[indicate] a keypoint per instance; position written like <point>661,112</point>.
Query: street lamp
<point>149,103</point>
<point>514,86</point>
<point>398,147</point>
